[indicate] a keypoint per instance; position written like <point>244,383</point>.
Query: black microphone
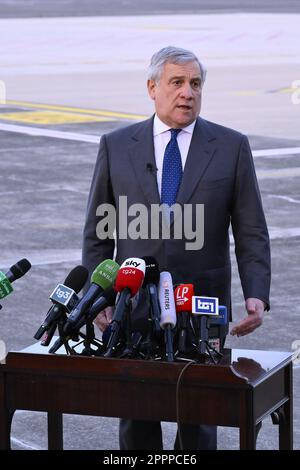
<point>102,278</point>
<point>64,298</point>
<point>129,279</point>
<point>107,299</point>
<point>150,284</point>
<point>15,272</point>
<point>183,299</point>
<point>150,167</point>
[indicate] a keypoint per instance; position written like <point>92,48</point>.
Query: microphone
<point>107,299</point>
<point>168,311</point>
<point>150,167</point>
<point>150,284</point>
<point>64,297</point>
<point>102,278</point>
<point>204,309</point>
<point>128,281</point>
<point>15,272</point>
<point>183,298</point>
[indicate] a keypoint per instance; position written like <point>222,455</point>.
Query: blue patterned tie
<point>172,170</point>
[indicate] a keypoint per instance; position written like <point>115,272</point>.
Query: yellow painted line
<point>260,92</point>
<point>287,90</point>
<point>282,90</point>
<point>51,117</point>
<point>78,110</point>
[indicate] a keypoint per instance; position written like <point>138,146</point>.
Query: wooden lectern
<point>240,391</point>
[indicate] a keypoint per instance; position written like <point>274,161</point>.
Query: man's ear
<point>151,85</point>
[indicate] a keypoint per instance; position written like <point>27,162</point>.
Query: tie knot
<point>174,133</point>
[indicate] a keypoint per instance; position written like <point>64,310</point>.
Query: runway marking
<point>246,93</point>
<point>45,257</point>
<point>287,232</point>
<point>285,198</point>
<point>24,445</point>
<point>94,139</point>
<point>277,152</point>
<point>263,92</point>
<point>52,117</point>
<point>278,173</point>
<point>73,109</point>
<point>282,90</point>
<point>40,132</point>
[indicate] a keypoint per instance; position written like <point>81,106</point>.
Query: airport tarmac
<point>67,81</point>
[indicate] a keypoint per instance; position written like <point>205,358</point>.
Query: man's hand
<point>104,318</point>
<point>255,309</point>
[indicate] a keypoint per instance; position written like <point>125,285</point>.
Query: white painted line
<point>73,256</point>
<point>278,173</point>
<point>284,198</point>
<point>279,152</point>
<point>94,139</point>
<point>290,232</point>
<point>38,132</point>
<point>23,445</point>
<point>42,257</point>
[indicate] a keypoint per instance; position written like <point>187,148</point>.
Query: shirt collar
<point>160,127</point>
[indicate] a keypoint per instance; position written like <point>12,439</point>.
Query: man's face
<point>177,96</point>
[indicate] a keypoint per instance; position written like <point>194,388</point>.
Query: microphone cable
<point>178,384</point>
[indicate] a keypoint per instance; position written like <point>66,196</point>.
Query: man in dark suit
<point>213,166</point>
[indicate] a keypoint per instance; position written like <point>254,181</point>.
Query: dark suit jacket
<point>219,173</point>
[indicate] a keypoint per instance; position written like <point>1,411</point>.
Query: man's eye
<point>176,82</point>
<point>196,85</point>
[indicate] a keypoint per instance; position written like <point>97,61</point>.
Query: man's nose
<point>186,91</point>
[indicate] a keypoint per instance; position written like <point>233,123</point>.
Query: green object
<point>105,273</point>
<point>5,286</point>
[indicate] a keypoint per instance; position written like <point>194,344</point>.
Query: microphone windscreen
<point>105,273</point>
<point>166,300</point>
<point>131,275</point>
<point>183,297</point>
<point>20,268</point>
<point>76,278</point>
<point>152,271</point>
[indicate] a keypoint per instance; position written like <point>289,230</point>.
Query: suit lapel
<point>141,153</point>
<point>202,148</point>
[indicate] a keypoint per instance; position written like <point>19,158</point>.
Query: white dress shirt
<point>162,136</point>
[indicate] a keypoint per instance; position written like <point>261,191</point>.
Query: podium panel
<point>240,391</point>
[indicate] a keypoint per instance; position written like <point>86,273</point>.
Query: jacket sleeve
<point>95,246</point>
<point>252,245</point>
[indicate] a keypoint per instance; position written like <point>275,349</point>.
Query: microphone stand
<point>169,343</point>
<point>128,351</point>
<point>204,348</point>
<point>122,306</point>
<point>88,340</point>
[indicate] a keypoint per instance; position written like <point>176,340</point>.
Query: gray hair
<point>172,55</point>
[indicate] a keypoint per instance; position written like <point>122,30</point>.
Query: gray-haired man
<point>214,167</point>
